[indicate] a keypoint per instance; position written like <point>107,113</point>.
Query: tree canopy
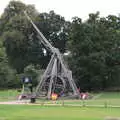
<point>95,48</point>
<point>20,39</point>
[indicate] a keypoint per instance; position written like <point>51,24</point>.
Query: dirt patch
<point>16,102</point>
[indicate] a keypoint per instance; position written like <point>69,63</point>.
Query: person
<point>61,93</point>
<point>27,81</point>
<point>54,96</point>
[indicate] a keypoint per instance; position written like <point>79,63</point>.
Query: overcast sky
<point>71,8</point>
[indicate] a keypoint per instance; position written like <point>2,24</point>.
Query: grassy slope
<point>33,112</point>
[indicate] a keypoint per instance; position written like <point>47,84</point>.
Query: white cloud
<point>71,8</point>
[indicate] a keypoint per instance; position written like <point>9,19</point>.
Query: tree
<point>55,29</point>
<point>20,38</point>
<point>17,33</point>
<point>7,74</point>
<point>94,46</point>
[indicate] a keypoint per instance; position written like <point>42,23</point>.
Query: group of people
<point>27,84</point>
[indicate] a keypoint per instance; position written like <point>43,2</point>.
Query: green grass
<point>97,108</point>
<point>105,99</point>
<point>6,95</point>
<point>109,98</point>
<point>33,112</point>
<point>110,95</point>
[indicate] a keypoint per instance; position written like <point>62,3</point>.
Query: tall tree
<point>17,33</point>
<point>95,52</point>
<point>55,29</point>
<point>20,38</point>
<point>7,74</point>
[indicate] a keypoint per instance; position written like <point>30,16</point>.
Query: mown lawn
<point>7,95</point>
<point>105,99</point>
<point>97,108</point>
<point>37,112</point>
<point>100,99</point>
